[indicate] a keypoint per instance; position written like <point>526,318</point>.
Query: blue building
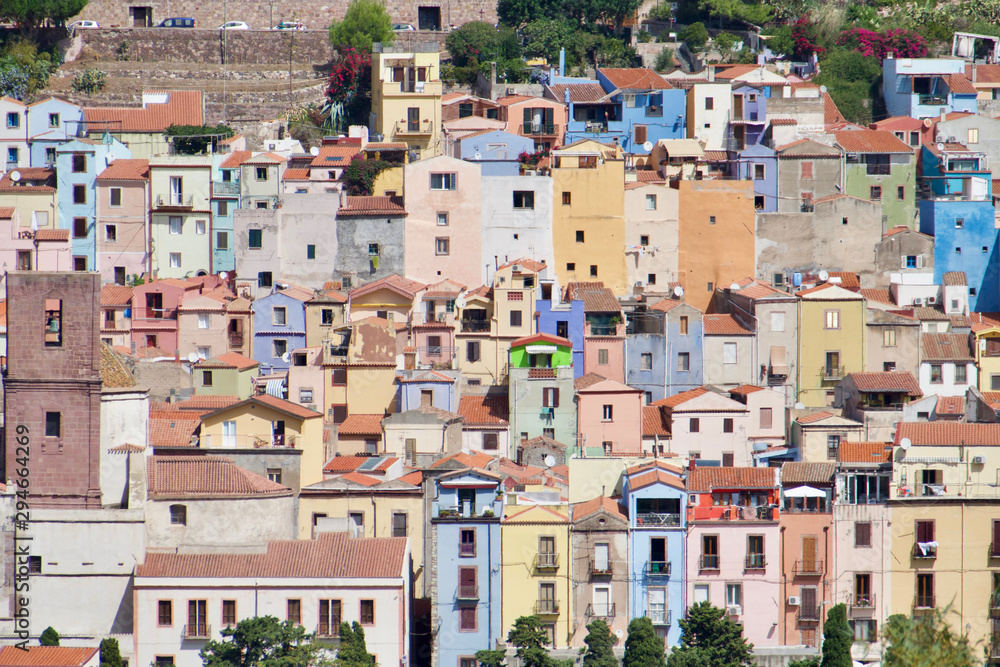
<point>748,120</point>
<point>279,323</point>
<point>225,200</point>
<point>759,164</point>
<point>656,499</point>
<point>78,163</point>
<point>438,389</point>
<point>465,525</point>
<point>51,122</point>
<point>956,208</point>
<point>566,319</point>
<point>632,107</point>
<point>495,151</point>
<point>683,345</point>
<point>926,87</point>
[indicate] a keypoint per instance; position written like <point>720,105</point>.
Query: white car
<point>402,27</point>
<point>290,25</point>
<point>82,24</point>
<point>234,25</point>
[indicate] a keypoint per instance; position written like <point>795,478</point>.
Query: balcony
<point>423,127</point>
<point>659,616</point>
<point>435,356</point>
<point>541,374</point>
<point>923,602</point>
<point>467,549</point>
<point>659,568</point>
<point>995,603</point>
<point>539,130</point>
<point>810,614</point>
<point>994,647</point>
<point>649,519</point>
<point>475,326</point>
<point>602,570</point>
<point>808,568</point>
<point>831,373</point>
<point>733,513</point>
<point>600,610</point>
<point>754,562</point>
<point>654,111</point>
<point>197,631</point>
<point>932,100</point>
<point>467,593</point>
<point>147,313</point>
<point>546,561</point>
<point>994,551</point>
<point>708,562</point>
<point>175,200</point>
<point>874,169</point>
<point>602,330</point>
<point>547,607</point>
<point>466,511</point>
<point>924,550</point>
<point>230,188</point>
<point>328,630</point>
<point>249,441</point>
<point>235,340</point>
<point>862,601</point>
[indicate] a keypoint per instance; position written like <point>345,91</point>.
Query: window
<point>24,261</point>
<point>116,197</point>
<point>889,338</point>
<point>524,199</point>
<point>608,413</point>
<point>567,198</point>
<point>53,424</point>
<point>261,173</point>
<point>178,515</point>
<point>279,316</point>
<point>766,418</point>
<point>50,156</point>
<point>710,287</point>
<point>79,228</point>
<point>755,551</point>
<point>443,181</point>
<point>644,240</point>
<point>175,260</point>
<point>960,374</point>
<point>571,266</point>
<point>399,524</point>
<point>329,618</point>
<point>367,612</point>
<point>274,474</point>
<point>646,361</point>
<point>515,318</point>
<point>165,612</point>
<point>910,262</point>
<point>442,245</point>
<point>294,611</point>
<point>264,279</point>
<point>467,617</point>
<point>163,661</point>
<point>900,192</point>
<point>806,170</point>
<point>223,209</point>
<point>734,595</point>
<point>442,219</point>
<point>53,120</point>
<point>729,353</point>
<point>79,162</point>
<point>936,374</point>
<point>711,219</point>
<point>710,552</point>
<point>339,377</point>
<point>727,425</point>
<point>550,397</point>
<point>709,104</point>
<point>255,237</point>
<point>199,227</point>
<point>684,325</point>
<point>206,378</point>
<point>79,194</point>
<point>593,270</point>
<point>579,236</point>
<point>472,350</point>
<point>373,250</point>
<point>651,278</point>
<point>491,441</point>
<point>914,138</point>
<point>222,241</point>
<point>650,203</point>
<point>862,534</point>
<point>683,361</point>
<point>12,155</point>
<point>832,445</point>
<point>228,612</point>
<point>959,223</point>
<point>832,319</point>
<point>694,425</point>
<point>973,135</point>
<point>467,542</point>
<point>602,357</point>
<point>925,591</point>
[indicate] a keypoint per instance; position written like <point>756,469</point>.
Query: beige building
<point>323,314</point>
<point>122,210</point>
<point>818,435</point>
<point>651,242</point>
<point>229,374</point>
<point>260,181</point>
<point>406,97</point>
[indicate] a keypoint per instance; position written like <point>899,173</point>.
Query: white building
<point>947,367</point>
<point>183,600</point>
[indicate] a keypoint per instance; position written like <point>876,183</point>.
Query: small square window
<point>442,246</point>
<point>79,194</point>
<point>650,278</point>
<point>200,227</point>
<point>13,120</point>
<point>116,197</point>
<point>310,251</point>
<point>709,104</point>
<point>571,266</point>
<point>255,238</point>
<point>80,228</point>
<point>593,270</point>
<point>711,219</point>
<point>53,120</point>
<point>442,219</point>
<point>567,198</point>
<point>959,223</point>
<point>178,515</point>
<point>644,240</point>
<point>524,199</point>
<point>875,193</point>
<point>261,173</point>
<point>900,192</point>
<point>175,260</point>
<point>206,378</point>
<point>79,163</point>
<point>650,202</point>
<point>958,250</point>
<point>986,249</point>
<point>710,288</point>
<point>579,236</point>
<point>176,225</point>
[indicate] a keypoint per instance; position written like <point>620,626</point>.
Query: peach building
<point>122,210</point>
<point>538,118</point>
<point>609,414</point>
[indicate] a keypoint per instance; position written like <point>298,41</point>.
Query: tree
<point>262,641</point>
<point>694,34</point>
<point>610,12</point>
<point>643,647</point>
<point>365,22</point>
<point>515,13</point>
<point>599,646</point>
<point>734,10</point>
<point>491,658</point>
<point>49,637</point>
<point>530,639</point>
<point>837,638</point>
<point>353,650</point>
<point>804,662</point>
<point>110,655</point>
<point>350,89</point>
<point>709,637</point>
<point>925,642</point>
<point>197,139</point>
<point>29,15</point>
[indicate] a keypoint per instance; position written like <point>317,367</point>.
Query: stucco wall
<point>509,233</point>
<point>220,526</point>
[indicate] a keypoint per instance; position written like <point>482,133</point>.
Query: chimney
<point>711,73</point>
<point>493,74</point>
<point>562,62</point>
<point>944,115</point>
<point>343,198</point>
<point>973,72</point>
<point>691,465</point>
<point>888,56</point>
<point>566,96</point>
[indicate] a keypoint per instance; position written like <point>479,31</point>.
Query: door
<point>602,601</point>
<point>154,306</point>
<point>809,608</point>
<point>197,618</point>
<point>413,119</point>
<point>176,190</point>
<point>737,107</point>
<point>426,397</point>
<point>657,554</point>
<point>862,590</point>
<point>601,552</point>
<point>809,553</point>
<point>278,433</point>
<point>229,434</point>
<point>466,501</point>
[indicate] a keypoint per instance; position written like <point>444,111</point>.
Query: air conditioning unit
<point>516,268</point>
<point>931,300</point>
<point>311,406</point>
<point>951,140</point>
<point>734,610</point>
<point>978,460</point>
<point>939,139</point>
<point>917,302</point>
<point>794,600</point>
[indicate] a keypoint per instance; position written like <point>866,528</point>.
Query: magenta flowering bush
<point>901,43</point>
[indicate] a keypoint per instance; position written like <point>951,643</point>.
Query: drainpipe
<point>784,586</point>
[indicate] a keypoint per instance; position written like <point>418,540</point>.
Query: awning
<point>804,492</point>
<point>275,388</point>
<point>778,364</point>
<point>541,349</point>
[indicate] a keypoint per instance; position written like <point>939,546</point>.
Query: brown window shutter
<point>809,553</point>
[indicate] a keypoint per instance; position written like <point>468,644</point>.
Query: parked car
<point>234,25</point>
<point>402,27</point>
<point>75,25</point>
<point>177,23</point>
<point>290,25</point>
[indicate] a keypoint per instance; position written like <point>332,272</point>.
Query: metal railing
<point>927,552</point>
<point>659,616</point>
<point>602,330</point>
<point>539,129</point>
<point>248,441</point>
<point>197,631</point>
<point>657,519</point>
<point>923,602</point>
<point>877,169</point>
<point>832,372</point>
<point>147,313</point>
<point>709,562</point>
<point>475,326</point>
<point>420,127</point>
<point>658,567</point>
<point>808,567</point>
<point>605,570</point>
<point>468,592</point>
<point>174,201</point>
<point>326,629</point>
<point>225,187</point>
<point>810,614</point>
<point>600,610</point>
<point>862,601</point>
<point>545,560</point>
<point>547,607</point>
<point>235,340</point>
<point>935,100</point>
<point>467,549</point>
<point>755,562</point>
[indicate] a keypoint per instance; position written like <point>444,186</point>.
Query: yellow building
<point>390,181</point>
<point>481,354</point>
<point>406,98</point>
<point>229,374</point>
<point>390,298</point>
<point>265,421</point>
<point>987,333</point>
<point>588,214</point>
<point>323,314</point>
<point>831,341</point>
<point>536,568</point>
<point>359,364</point>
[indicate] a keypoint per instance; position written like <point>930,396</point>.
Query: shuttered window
<point>862,534</point>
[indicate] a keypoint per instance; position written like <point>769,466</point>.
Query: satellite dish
<point>314,151</point>
<point>15,176</point>
<point>940,146</point>
<point>822,89</point>
<point>479,155</point>
<point>549,460</point>
<point>193,357</point>
<point>800,406</point>
<point>286,357</point>
<point>461,302</point>
<point>905,443</point>
<point>224,275</point>
<point>619,633</point>
<point>734,286</point>
<point>678,291</point>
<point>648,146</point>
<point>928,122</point>
<point>824,276</point>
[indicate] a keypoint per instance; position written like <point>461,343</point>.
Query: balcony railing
<point>226,188</point>
<point>467,549</point>
<point>235,340</point>
<point>863,601</point>
<point>147,313</point>
<point>248,441</point>
<point>755,562</point>
<point>810,614</point>
<point>924,551</point>
<point>932,100</point>
<point>995,647</point>
<point>709,562</point>
<point>541,373</point>
<point>197,631</point>
<point>546,561</point>
<point>832,372</point>
<point>878,169</point>
<point>923,602</point>
<point>600,610</point>
<point>602,570</point>
<point>995,603</point>
<point>408,128</point>
<point>546,607</point>
<point>659,616</point>
<point>808,568</point>
<point>328,630</point>
<point>733,513</point>
<point>602,330</point>
<point>466,511</point>
<point>539,129</point>
<point>994,551</point>
<point>658,568</point>
<point>657,519</point>
<point>175,201</point>
<point>468,592</point>
<point>475,326</point>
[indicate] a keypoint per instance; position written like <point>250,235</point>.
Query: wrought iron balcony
<point>468,592</point>
<point>657,519</point>
<point>926,551</point>
<point>530,129</point>
<point>658,568</point>
<point>175,200</point>
<point>601,610</point>
<point>709,562</point>
<point>755,562</point>
<point>328,629</point>
<point>604,570</point>
<point>808,568</point>
<point>832,372</point>
<point>475,326</point>
<point>414,128</point>
<point>659,616</point>
<point>546,607</point>
<point>547,561</point>
<point>863,601</point>
<point>810,614</point>
<point>197,631</point>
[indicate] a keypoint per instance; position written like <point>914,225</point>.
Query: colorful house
<point>180,202</point>
<point>831,341</point>
<point>759,164</point>
<point>926,87</point>
<point>228,374</point>
<point>406,97</point>
<point>225,200</point>
<point>601,532</point>
<point>144,128</point>
<point>391,298</point>
<point>651,211</point>
<point>359,365</point>
<point>14,133</point>
<point>323,314</point>
<point>604,329</point>
<point>540,119</point>
<point>986,350</point>
<point>154,312</point>
<point>707,425</point>
<point>881,168</point>
<point>609,416</point>
<point>541,388</point>
<point>51,122</point>
<point>730,352</point>
<point>434,328</point>
<point>279,326</point>
<point>122,211</point>
<point>664,349</point>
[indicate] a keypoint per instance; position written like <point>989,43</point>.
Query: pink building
<point>444,225</point>
<point>116,315</point>
<point>766,419</point>
<point>122,210</point>
<point>609,414</point>
<point>202,324</point>
<point>604,331</point>
<point>538,118</point>
<point>734,547</point>
<point>155,311</point>
<point>306,378</point>
<point>706,425</point>
<point>26,249</point>
<point>434,329</point>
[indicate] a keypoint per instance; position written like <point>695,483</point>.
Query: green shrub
<point>695,35</point>
<point>90,81</point>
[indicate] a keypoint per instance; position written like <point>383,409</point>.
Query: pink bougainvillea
<point>350,75</point>
<point>804,38</point>
<point>901,43</point>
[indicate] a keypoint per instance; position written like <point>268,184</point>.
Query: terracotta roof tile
<point>984,73</point>
<point>992,398</point>
<point>878,295</point>
<point>169,431</point>
<point>946,347</point>
<point>588,380</point>
<point>578,92</point>
<point>649,176</point>
<point>865,452</point>
<point>335,156</point>
<point>653,423</point>
<point>33,180</point>
<point>541,338</point>
<point>846,279</point>
<point>960,85</point>
<point>704,479</point>
<point>954,279</point>
<point>655,464</point>
<point>296,174</point>
<point>372,206</point>
<point>745,389</point>
<point>831,114</point>
<point>394,282</point>
<point>330,555</point>
<point>359,478</point>
<point>582,510</point>
<point>47,656</point>
<point>677,399</point>
<point>471,460</point>
<point>183,107</point>
<point>595,296</point>
<point>759,289</point>
<point>388,145</point>
<point>950,405</point>
<point>527,265</point>
<point>361,424</point>
<point>416,478</point>
<point>235,159</point>
<point>714,156</point>
<point>116,295</point>
<point>804,472</point>
<point>284,406</point>
<point>871,141</point>
<point>724,325</point>
<point>205,476</point>
<point>114,373</point>
<point>643,480</point>
<point>484,410</point>
<point>125,170</point>
<point>229,360</point>
<point>635,78</point>
<point>128,447</point>
<point>784,121</point>
<point>204,403</point>
<point>939,433</point>
<point>886,381</point>
<point>345,464</point>
<point>52,235</point>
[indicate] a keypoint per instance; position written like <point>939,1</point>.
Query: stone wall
<point>261,15</point>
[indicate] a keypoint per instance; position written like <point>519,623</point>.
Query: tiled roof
<point>284,406</point>
<point>46,656</point>
<point>345,464</point>
<point>127,448</point>
<point>649,176</point>
<point>992,398</point>
<point>7,212</point>
<point>45,179</point>
<point>745,389</point>
<point>542,338</point>
<point>170,431</point>
<point>759,289</point>
<point>948,433</point>
<point>361,424</point>
<point>183,107</point>
<point>714,156</point>
<point>846,279</point>
<point>359,478</point>
<point>578,92</point>
<point>266,159</point>
<point>114,373</point>
<point>984,73</point>
<point>655,464</point>
<point>784,121</point>
<point>595,296</point>
<point>635,78</point>
<point>527,265</point>
<point>389,145</point>
<point>52,235</point>
<point>330,555</point>
<point>588,380</point>
<point>887,381</point>
<point>865,452</point>
<point>374,205</point>
<point>954,279</point>
<point>729,72</point>
<point>394,282</point>
<point>878,295</point>
<point>229,360</point>
<point>116,295</point>
<point>705,479</point>
<point>831,114</point>
<point>653,423</point>
<point>471,460</point>
<point>946,347</point>
<point>957,83</point>
<point>235,159</point>
<point>950,405</point>
<point>206,476</point>
<point>203,403</point>
<point>125,170</point>
<point>815,417</point>
<point>583,510</point>
<point>807,148</point>
<point>871,141</point>
<point>335,156</point>
<point>803,472</point>
<point>296,174</point>
<point>724,325</point>
<point>677,399</point>
<point>484,410</point>
<point>653,477</point>
<point>426,376</point>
